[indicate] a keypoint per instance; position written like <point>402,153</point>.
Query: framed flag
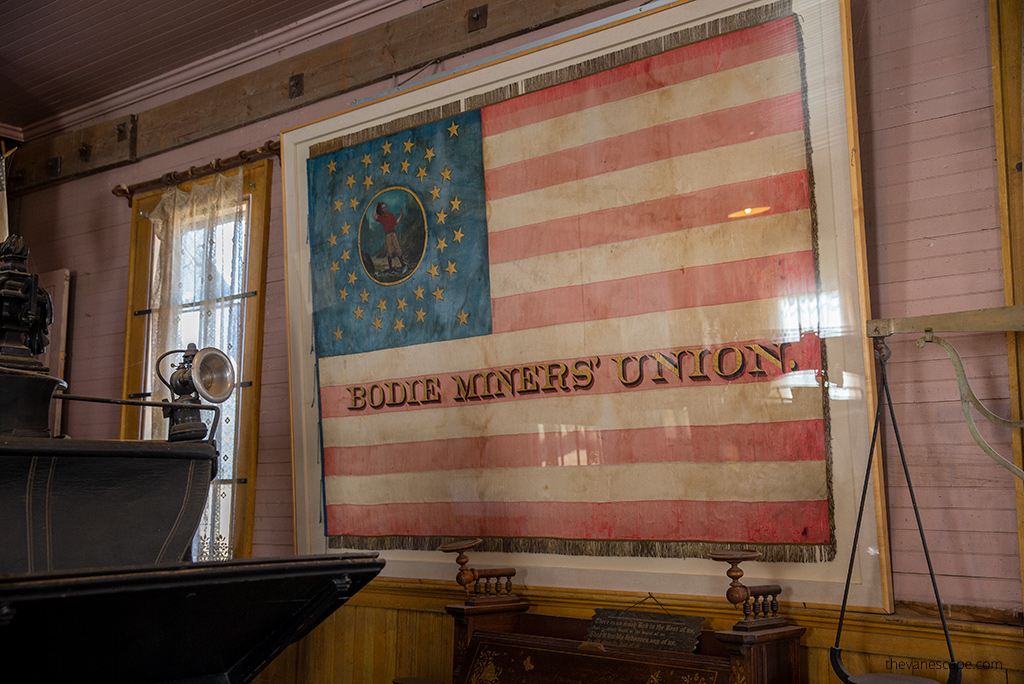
<point>598,301</point>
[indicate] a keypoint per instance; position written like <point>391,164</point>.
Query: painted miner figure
<point>389,222</point>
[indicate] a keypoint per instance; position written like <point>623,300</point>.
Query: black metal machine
<point>95,585</point>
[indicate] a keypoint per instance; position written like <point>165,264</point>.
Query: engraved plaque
<point>637,629</point>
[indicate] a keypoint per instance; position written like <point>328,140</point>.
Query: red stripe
<point>555,378</point>
<point>726,283</point>
<point>718,129</point>
<point>676,66</point>
<point>784,522</point>
<point>802,440</point>
<point>783,193</point>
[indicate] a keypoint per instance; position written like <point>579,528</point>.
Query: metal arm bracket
<point>999,319</point>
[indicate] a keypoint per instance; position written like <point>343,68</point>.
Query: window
<point>197,275</point>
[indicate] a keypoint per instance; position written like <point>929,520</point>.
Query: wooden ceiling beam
<point>435,33</point>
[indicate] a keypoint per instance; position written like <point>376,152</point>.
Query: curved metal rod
<point>967,398</point>
<point>153,404</point>
<point>161,358</point>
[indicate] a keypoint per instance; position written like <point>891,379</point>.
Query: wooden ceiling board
<point>60,55</point>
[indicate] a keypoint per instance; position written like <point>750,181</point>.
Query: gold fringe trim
<point>773,553</point>
<point>634,53</point>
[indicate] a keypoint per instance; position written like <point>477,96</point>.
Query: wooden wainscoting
<point>398,628</point>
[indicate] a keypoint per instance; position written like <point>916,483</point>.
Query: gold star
<point>446,175</point>
<point>353,203</point>
<point>458,235</point>
<point>435,193</point>
<point>337,333</point>
<point>433,271</point>
<point>333,240</point>
<point>368,182</point>
<point>343,295</point>
<point>420,313</point>
<point>399,325</point>
<point>345,256</point>
<point>441,216</point>
<point>422,173</point>
<point>337,204</point>
<point>350,181</point>
<point>386,147</point>
<point>438,294</point>
<point>352,278</point>
<point>408,145</point>
<point>463,317</point>
<point>334,267</point>
<point>332,167</point>
<point>451,269</point>
<point>385,168</point>
<point>453,130</point>
<point>358,312</point>
<point>402,304</point>
<point>441,244</point>
<point>364,296</point>
<point>429,156</point>
<point>419,292</point>
<point>456,204</point>
<point>366,160</point>
<point>382,305</point>
<point>377,322</point>
<point>405,166</point>
<point>345,228</point>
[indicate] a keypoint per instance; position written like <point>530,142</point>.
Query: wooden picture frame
<point>313,153</point>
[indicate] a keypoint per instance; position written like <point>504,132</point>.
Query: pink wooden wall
<point>927,145</point>
<point>924,95</point>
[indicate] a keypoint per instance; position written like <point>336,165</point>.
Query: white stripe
<point>737,481</point>
<point>782,318</point>
<point>701,246</point>
<point>760,158</point>
<point>668,407</point>
<point>743,85</point>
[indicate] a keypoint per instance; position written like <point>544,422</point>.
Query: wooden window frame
<point>137,369</point>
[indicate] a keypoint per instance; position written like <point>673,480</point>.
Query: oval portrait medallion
<point>392,235</point>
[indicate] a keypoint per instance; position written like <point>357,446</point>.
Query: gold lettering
<point>664,361</point>
<point>556,371</point>
<point>358,398</point>
<point>395,401</point>
<point>716,362</point>
<point>464,390</point>
<point>413,401</point>
<point>761,352</point>
<point>623,361</point>
<point>374,404</point>
<point>528,383</point>
<point>431,391</point>
<point>505,378</point>
<point>480,376</point>
<point>698,362</point>
<point>582,374</point>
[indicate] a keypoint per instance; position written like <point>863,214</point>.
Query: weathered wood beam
<point>435,33</point>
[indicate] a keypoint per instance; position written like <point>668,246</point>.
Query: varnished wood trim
<point>257,182</point>
<point>860,247</point>
<point>136,328</point>
<point>1005,25</point>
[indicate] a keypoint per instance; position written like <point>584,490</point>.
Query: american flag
<point>651,383</point>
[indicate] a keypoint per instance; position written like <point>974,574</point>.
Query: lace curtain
<point>197,295</point>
